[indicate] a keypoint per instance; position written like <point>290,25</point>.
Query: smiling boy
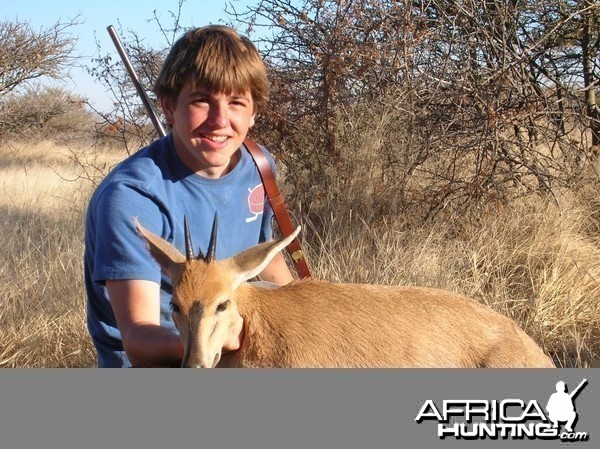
<point>211,86</point>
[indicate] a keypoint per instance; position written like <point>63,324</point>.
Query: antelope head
<point>204,301</point>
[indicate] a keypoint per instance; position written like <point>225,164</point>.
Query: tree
<point>590,45</point>
<point>326,58</point>
<point>27,54</point>
<point>43,112</point>
<point>134,128</point>
<point>461,101</point>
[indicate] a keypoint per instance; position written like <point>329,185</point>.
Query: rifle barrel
<point>136,82</point>
<point>575,392</point>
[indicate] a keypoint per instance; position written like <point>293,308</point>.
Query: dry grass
<point>532,261</point>
<point>42,301</point>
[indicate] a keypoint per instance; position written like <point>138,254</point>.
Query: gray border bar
<point>304,408</point>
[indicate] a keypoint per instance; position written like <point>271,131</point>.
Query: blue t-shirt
<point>155,186</point>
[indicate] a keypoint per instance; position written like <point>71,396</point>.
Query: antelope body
<point>310,323</point>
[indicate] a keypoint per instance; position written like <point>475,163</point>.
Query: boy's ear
<point>252,120</point>
<point>167,107</point>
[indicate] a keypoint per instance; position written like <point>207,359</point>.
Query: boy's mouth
<point>215,137</point>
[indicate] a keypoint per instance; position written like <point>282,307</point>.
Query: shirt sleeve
<point>121,253</point>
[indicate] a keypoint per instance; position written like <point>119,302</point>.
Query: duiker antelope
<point>311,323</point>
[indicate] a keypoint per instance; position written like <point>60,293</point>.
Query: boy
<point>211,86</point>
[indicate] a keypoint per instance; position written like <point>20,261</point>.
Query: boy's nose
<point>218,116</point>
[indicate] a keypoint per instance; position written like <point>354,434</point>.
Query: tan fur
<point>320,324</point>
<point>314,323</point>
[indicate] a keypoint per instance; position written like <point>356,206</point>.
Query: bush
<point>43,113</point>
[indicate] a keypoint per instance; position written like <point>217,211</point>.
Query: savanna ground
<point>536,259</point>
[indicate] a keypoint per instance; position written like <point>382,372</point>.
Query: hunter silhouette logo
<point>510,418</point>
<point>561,407</point>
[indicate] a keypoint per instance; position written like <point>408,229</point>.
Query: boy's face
<point>209,127</point>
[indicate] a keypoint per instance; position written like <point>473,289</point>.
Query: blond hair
<point>216,58</point>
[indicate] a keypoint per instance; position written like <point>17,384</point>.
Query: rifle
<point>577,389</point>
<point>263,166</point>
<point>136,82</point>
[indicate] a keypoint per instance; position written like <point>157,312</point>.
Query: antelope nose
<point>191,365</point>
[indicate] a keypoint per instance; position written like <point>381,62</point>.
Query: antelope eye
<point>222,306</point>
<point>174,307</point>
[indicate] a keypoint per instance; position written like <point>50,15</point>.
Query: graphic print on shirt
<point>256,202</point>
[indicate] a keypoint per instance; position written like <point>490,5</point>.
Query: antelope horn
<point>212,247</point>
<point>189,250</point>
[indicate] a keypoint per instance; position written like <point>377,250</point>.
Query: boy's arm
<point>277,271</point>
<point>136,305</point>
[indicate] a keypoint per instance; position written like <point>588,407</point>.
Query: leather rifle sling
<point>278,206</point>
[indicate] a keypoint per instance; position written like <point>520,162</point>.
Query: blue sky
<point>97,15</point>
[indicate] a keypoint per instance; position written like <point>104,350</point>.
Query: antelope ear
<point>167,256</point>
<point>251,262</point>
